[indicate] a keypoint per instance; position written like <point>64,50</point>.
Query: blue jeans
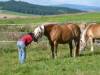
<point>21,51</point>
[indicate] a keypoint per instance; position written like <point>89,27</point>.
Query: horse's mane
<point>85,31</point>
<point>89,25</point>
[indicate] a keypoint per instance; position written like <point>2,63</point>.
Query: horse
<point>60,34</point>
<point>91,32</point>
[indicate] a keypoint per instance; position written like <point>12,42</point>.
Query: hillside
<point>23,7</point>
<point>80,7</point>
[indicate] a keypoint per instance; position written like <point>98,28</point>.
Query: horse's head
<point>83,41</point>
<point>84,38</point>
<point>38,32</point>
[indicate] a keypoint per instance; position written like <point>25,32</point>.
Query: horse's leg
<point>55,47</point>
<point>91,41</point>
<point>77,47</point>
<point>52,49</point>
<point>77,43</point>
<point>71,48</point>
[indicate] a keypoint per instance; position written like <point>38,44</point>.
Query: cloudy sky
<point>56,2</point>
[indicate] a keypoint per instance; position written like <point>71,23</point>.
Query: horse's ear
<point>42,28</point>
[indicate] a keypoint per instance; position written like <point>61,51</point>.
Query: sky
<point>57,2</point>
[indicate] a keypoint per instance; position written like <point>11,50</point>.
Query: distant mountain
<point>80,7</point>
<point>23,7</point>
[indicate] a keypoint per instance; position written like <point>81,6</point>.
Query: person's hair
<point>30,33</point>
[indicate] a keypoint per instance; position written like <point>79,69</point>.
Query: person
<point>22,43</point>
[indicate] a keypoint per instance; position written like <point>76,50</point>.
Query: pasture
<point>39,61</point>
<point>80,17</point>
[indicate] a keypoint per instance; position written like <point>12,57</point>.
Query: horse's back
<point>68,31</point>
<point>94,30</point>
<point>75,29</point>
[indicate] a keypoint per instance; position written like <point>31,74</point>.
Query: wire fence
<point>9,34</point>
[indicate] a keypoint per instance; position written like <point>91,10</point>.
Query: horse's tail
<point>77,31</point>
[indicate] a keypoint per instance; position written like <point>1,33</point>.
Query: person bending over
<point>22,43</point>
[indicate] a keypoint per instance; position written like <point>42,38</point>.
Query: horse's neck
<point>87,28</point>
<point>47,29</point>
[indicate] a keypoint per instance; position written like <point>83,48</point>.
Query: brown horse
<point>60,34</point>
<point>91,33</point>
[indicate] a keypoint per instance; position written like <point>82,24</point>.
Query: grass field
<point>85,17</point>
<point>39,61</point>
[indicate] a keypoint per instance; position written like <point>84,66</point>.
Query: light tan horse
<point>60,34</point>
<point>91,33</point>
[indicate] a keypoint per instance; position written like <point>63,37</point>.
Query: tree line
<point>23,7</point>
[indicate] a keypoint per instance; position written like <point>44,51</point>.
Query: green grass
<point>39,61</point>
<point>87,17</point>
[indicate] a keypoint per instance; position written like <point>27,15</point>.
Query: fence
<point>10,33</point>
